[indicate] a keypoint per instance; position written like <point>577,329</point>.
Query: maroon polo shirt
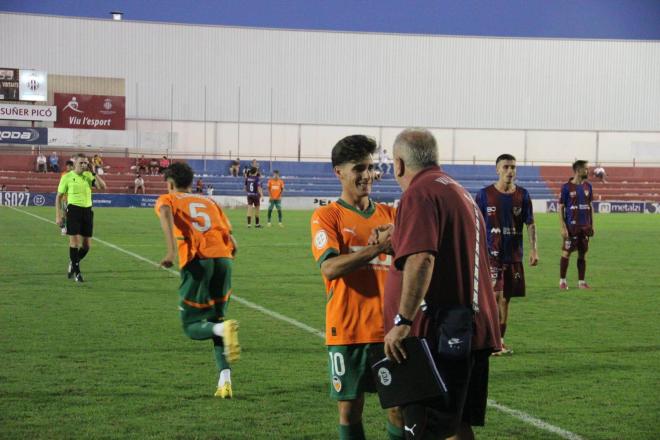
<point>438,215</point>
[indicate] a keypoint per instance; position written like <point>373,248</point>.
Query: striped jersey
<point>577,204</point>
<point>505,214</point>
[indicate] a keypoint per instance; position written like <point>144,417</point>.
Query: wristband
<point>399,319</point>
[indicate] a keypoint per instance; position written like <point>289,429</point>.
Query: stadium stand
<point>16,171</point>
<point>316,179</point>
<point>623,183</point>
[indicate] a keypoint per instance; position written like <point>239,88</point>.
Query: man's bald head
<point>417,148</point>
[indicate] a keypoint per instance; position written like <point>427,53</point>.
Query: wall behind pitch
<point>350,78</point>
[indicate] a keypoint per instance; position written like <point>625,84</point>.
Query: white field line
<point>520,415</point>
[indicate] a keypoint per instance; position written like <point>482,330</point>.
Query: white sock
<point>225,376</point>
<point>562,280</point>
<point>219,329</point>
<point>581,282</point>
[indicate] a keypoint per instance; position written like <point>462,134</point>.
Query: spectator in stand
<point>97,164</point>
<point>42,162</point>
<point>141,164</point>
<point>164,163</point>
<point>384,162</point>
<point>26,188</point>
<point>138,184</point>
<point>255,164</point>
<point>3,187</point>
<point>209,190</point>
<point>54,161</point>
<point>153,166</point>
<point>199,187</point>
<point>599,172</point>
<point>235,167</point>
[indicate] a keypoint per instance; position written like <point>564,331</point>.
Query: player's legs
<point>271,204</point>
<point>278,206</point>
<point>568,246</point>
<point>249,214</point>
<point>256,213</point>
<point>205,291</point>
<point>350,418</point>
<point>582,248</point>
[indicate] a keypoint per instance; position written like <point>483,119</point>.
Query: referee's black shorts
<point>79,221</point>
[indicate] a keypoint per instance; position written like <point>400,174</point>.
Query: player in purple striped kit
<point>575,216</point>
<point>506,207</point>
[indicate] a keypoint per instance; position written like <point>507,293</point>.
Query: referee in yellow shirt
<point>77,186</point>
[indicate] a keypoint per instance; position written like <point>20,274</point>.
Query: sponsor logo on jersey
<point>321,239</point>
<point>349,230</point>
<point>495,231</point>
<point>517,210</point>
<point>379,260</point>
<point>572,193</point>
<point>491,209</point>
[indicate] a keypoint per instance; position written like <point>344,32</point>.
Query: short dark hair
<point>276,171</point>
<point>253,171</point>
<point>579,164</point>
<point>180,173</point>
<point>69,162</point>
<point>353,148</point>
<point>505,156</point>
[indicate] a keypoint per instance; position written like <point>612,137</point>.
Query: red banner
<point>90,111</point>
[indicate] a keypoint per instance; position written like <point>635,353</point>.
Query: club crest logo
<point>336,383</point>
<point>517,210</point>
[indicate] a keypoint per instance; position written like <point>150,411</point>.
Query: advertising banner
<point>90,111</point>
<point>25,112</point>
<point>614,207</point>
<point>19,198</point>
<point>33,85</point>
<point>23,135</point>
<point>8,84</point>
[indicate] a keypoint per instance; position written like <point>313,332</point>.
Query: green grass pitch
<point>108,358</point>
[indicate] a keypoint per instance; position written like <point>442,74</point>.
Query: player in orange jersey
<point>275,190</point>
<point>199,229</point>
<point>354,273</point>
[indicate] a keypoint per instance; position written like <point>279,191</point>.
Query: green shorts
<point>277,204</point>
<point>350,375</point>
<point>205,289</point>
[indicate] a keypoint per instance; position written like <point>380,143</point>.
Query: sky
<point>587,19</point>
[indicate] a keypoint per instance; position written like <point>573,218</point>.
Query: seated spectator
<point>199,188</point>
<point>209,190</point>
<point>54,161</point>
<point>138,184</point>
<point>235,167</point>
<point>42,162</point>
<point>26,188</point>
<point>599,172</point>
<point>141,164</point>
<point>153,166</point>
<point>384,162</point>
<point>164,163</point>
<point>3,187</point>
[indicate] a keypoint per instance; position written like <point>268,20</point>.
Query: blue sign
<point>16,198</point>
<point>23,135</point>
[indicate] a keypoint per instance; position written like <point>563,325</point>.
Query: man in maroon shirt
<point>440,262</point>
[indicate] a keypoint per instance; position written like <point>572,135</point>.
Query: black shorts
<point>508,278</point>
<point>79,221</point>
<point>467,382</point>
<point>253,201</point>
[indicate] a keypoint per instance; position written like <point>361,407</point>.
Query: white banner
<point>33,85</point>
<point>26,112</point>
